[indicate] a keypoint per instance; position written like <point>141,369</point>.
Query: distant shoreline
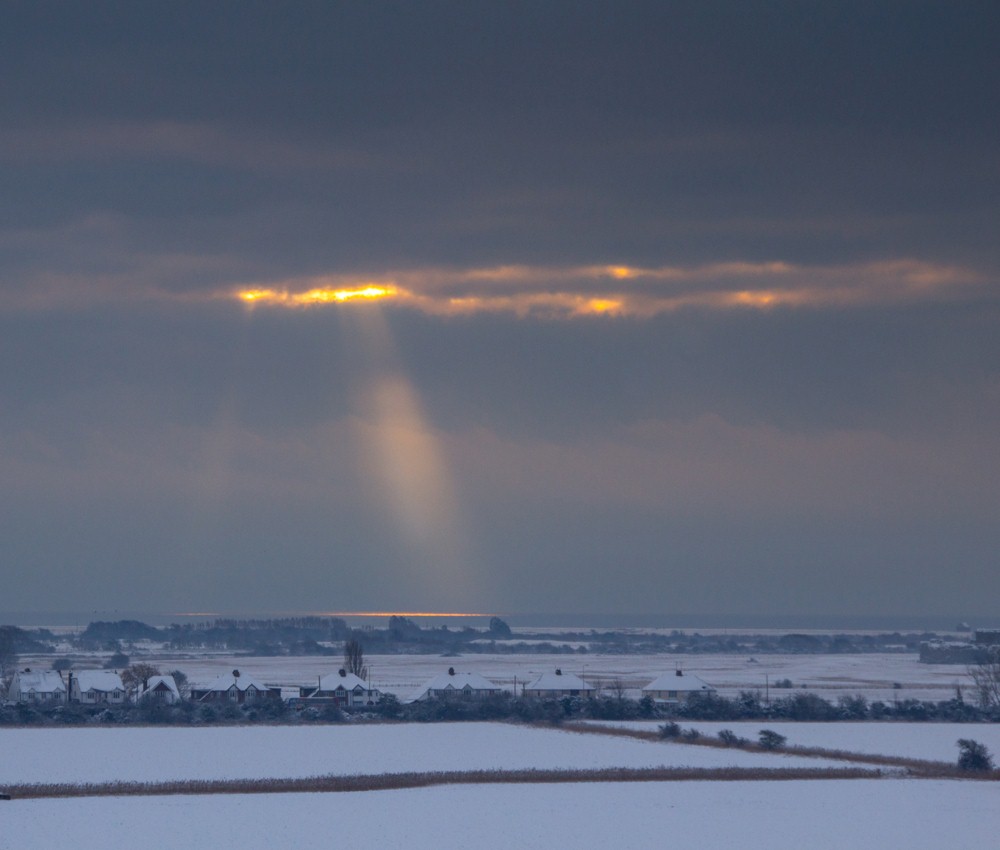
<point>566,622</point>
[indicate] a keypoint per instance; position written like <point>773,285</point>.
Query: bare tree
<point>354,659</point>
<point>8,655</point>
<point>138,675</point>
<point>617,690</point>
<point>986,680</point>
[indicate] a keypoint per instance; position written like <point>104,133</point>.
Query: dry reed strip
<point>923,768</point>
<point>397,781</point>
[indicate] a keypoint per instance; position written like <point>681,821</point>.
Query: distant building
<point>162,689</point>
<point>92,687</point>
<point>958,652</point>
<point>235,688</point>
<point>557,685</point>
<point>457,685</point>
<point>342,689</point>
<point>676,686</point>
<point>46,686</point>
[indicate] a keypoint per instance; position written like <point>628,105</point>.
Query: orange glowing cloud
<point>617,290</point>
<point>314,296</point>
<point>554,292</point>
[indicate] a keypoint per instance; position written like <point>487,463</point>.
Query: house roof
<point>348,682</point>
<point>558,682</point>
<point>678,681</point>
<point>98,680</point>
<point>155,681</point>
<point>224,682</point>
<point>42,682</point>
<point>457,682</point>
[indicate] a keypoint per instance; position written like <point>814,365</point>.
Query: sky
<point>680,308</point>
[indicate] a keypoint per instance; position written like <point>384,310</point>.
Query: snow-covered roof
<point>348,682</point>
<point>104,681</point>
<point>42,682</point>
<point>678,681</point>
<point>457,682</point>
<point>243,682</point>
<point>156,681</point>
<point>558,682</point>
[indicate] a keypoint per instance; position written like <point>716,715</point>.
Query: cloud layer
<point>686,307</point>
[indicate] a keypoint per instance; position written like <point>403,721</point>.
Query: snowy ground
<point>935,741</point>
<point>150,754</point>
<point>873,675</point>
<point>819,815</point>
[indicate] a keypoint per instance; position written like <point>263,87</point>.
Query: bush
<point>670,730</point>
<point>973,756</point>
<point>389,706</point>
<point>770,740</point>
<point>731,739</point>
<point>690,734</point>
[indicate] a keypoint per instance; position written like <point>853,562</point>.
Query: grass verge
<point>395,781</point>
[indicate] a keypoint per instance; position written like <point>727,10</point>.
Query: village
<point>341,688</point>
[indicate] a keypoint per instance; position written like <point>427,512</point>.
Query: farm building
<point>96,686</point>
<point>676,686</point>
<point>343,689</point>
<point>452,684</point>
<point>557,685</point>
<point>42,687</point>
<point>161,689</point>
<point>236,688</point>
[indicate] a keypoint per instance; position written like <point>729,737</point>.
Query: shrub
<point>331,714</point>
<point>389,706</point>
<point>770,740</point>
<point>973,756</point>
<point>690,734</point>
<point>670,730</point>
<point>730,738</point>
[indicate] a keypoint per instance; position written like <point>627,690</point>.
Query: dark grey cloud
<point>161,448</point>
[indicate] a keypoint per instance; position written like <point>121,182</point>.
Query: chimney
<point>558,671</point>
<point>343,673</point>
<point>678,672</point>
<point>451,671</point>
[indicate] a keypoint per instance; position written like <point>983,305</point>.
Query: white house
<point>96,686</point>
<point>234,687</point>
<point>46,686</point>
<point>557,685</point>
<point>458,685</point>
<point>676,686</point>
<point>343,688</point>
<point>160,689</point>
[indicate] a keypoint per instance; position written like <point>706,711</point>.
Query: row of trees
<point>746,706</point>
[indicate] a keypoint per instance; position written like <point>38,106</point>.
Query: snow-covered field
<point>150,754</point>
<point>935,741</point>
<point>818,815</point>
